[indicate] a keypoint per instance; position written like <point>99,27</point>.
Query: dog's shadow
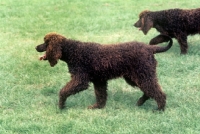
<point>116,99</point>
<point>120,96</point>
<point>121,99</point>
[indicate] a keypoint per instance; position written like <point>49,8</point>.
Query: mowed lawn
<point>29,88</point>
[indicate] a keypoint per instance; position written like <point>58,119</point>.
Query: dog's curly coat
<point>96,63</point>
<point>176,23</point>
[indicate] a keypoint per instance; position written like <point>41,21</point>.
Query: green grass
<point>29,88</point>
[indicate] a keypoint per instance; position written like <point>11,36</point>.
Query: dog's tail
<point>159,49</point>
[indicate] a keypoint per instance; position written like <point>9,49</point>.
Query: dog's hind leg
<point>77,83</point>
<point>142,100</point>
<point>101,94</point>
<point>153,90</point>
<point>130,82</point>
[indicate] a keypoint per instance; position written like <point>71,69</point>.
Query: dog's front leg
<point>76,85</point>
<point>182,40</point>
<point>101,94</point>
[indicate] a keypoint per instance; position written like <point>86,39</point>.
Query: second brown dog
<point>176,23</point>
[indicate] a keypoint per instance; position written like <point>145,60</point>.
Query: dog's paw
<point>158,110</point>
<point>95,106</point>
<point>61,106</point>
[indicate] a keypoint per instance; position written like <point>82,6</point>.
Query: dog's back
<point>111,61</point>
<point>173,20</point>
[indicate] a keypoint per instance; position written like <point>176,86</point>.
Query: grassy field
<point>29,88</point>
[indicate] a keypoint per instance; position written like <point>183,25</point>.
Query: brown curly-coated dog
<point>176,23</point>
<point>96,63</point>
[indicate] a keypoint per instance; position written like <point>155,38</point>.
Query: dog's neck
<point>67,49</point>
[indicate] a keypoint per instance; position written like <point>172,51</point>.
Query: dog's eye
<point>46,41</point>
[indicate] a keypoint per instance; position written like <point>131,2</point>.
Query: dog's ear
<point>147,22</point>
<point>53,52</point>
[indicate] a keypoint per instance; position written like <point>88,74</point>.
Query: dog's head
<point>53,47</point>
<point>145,22</point>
